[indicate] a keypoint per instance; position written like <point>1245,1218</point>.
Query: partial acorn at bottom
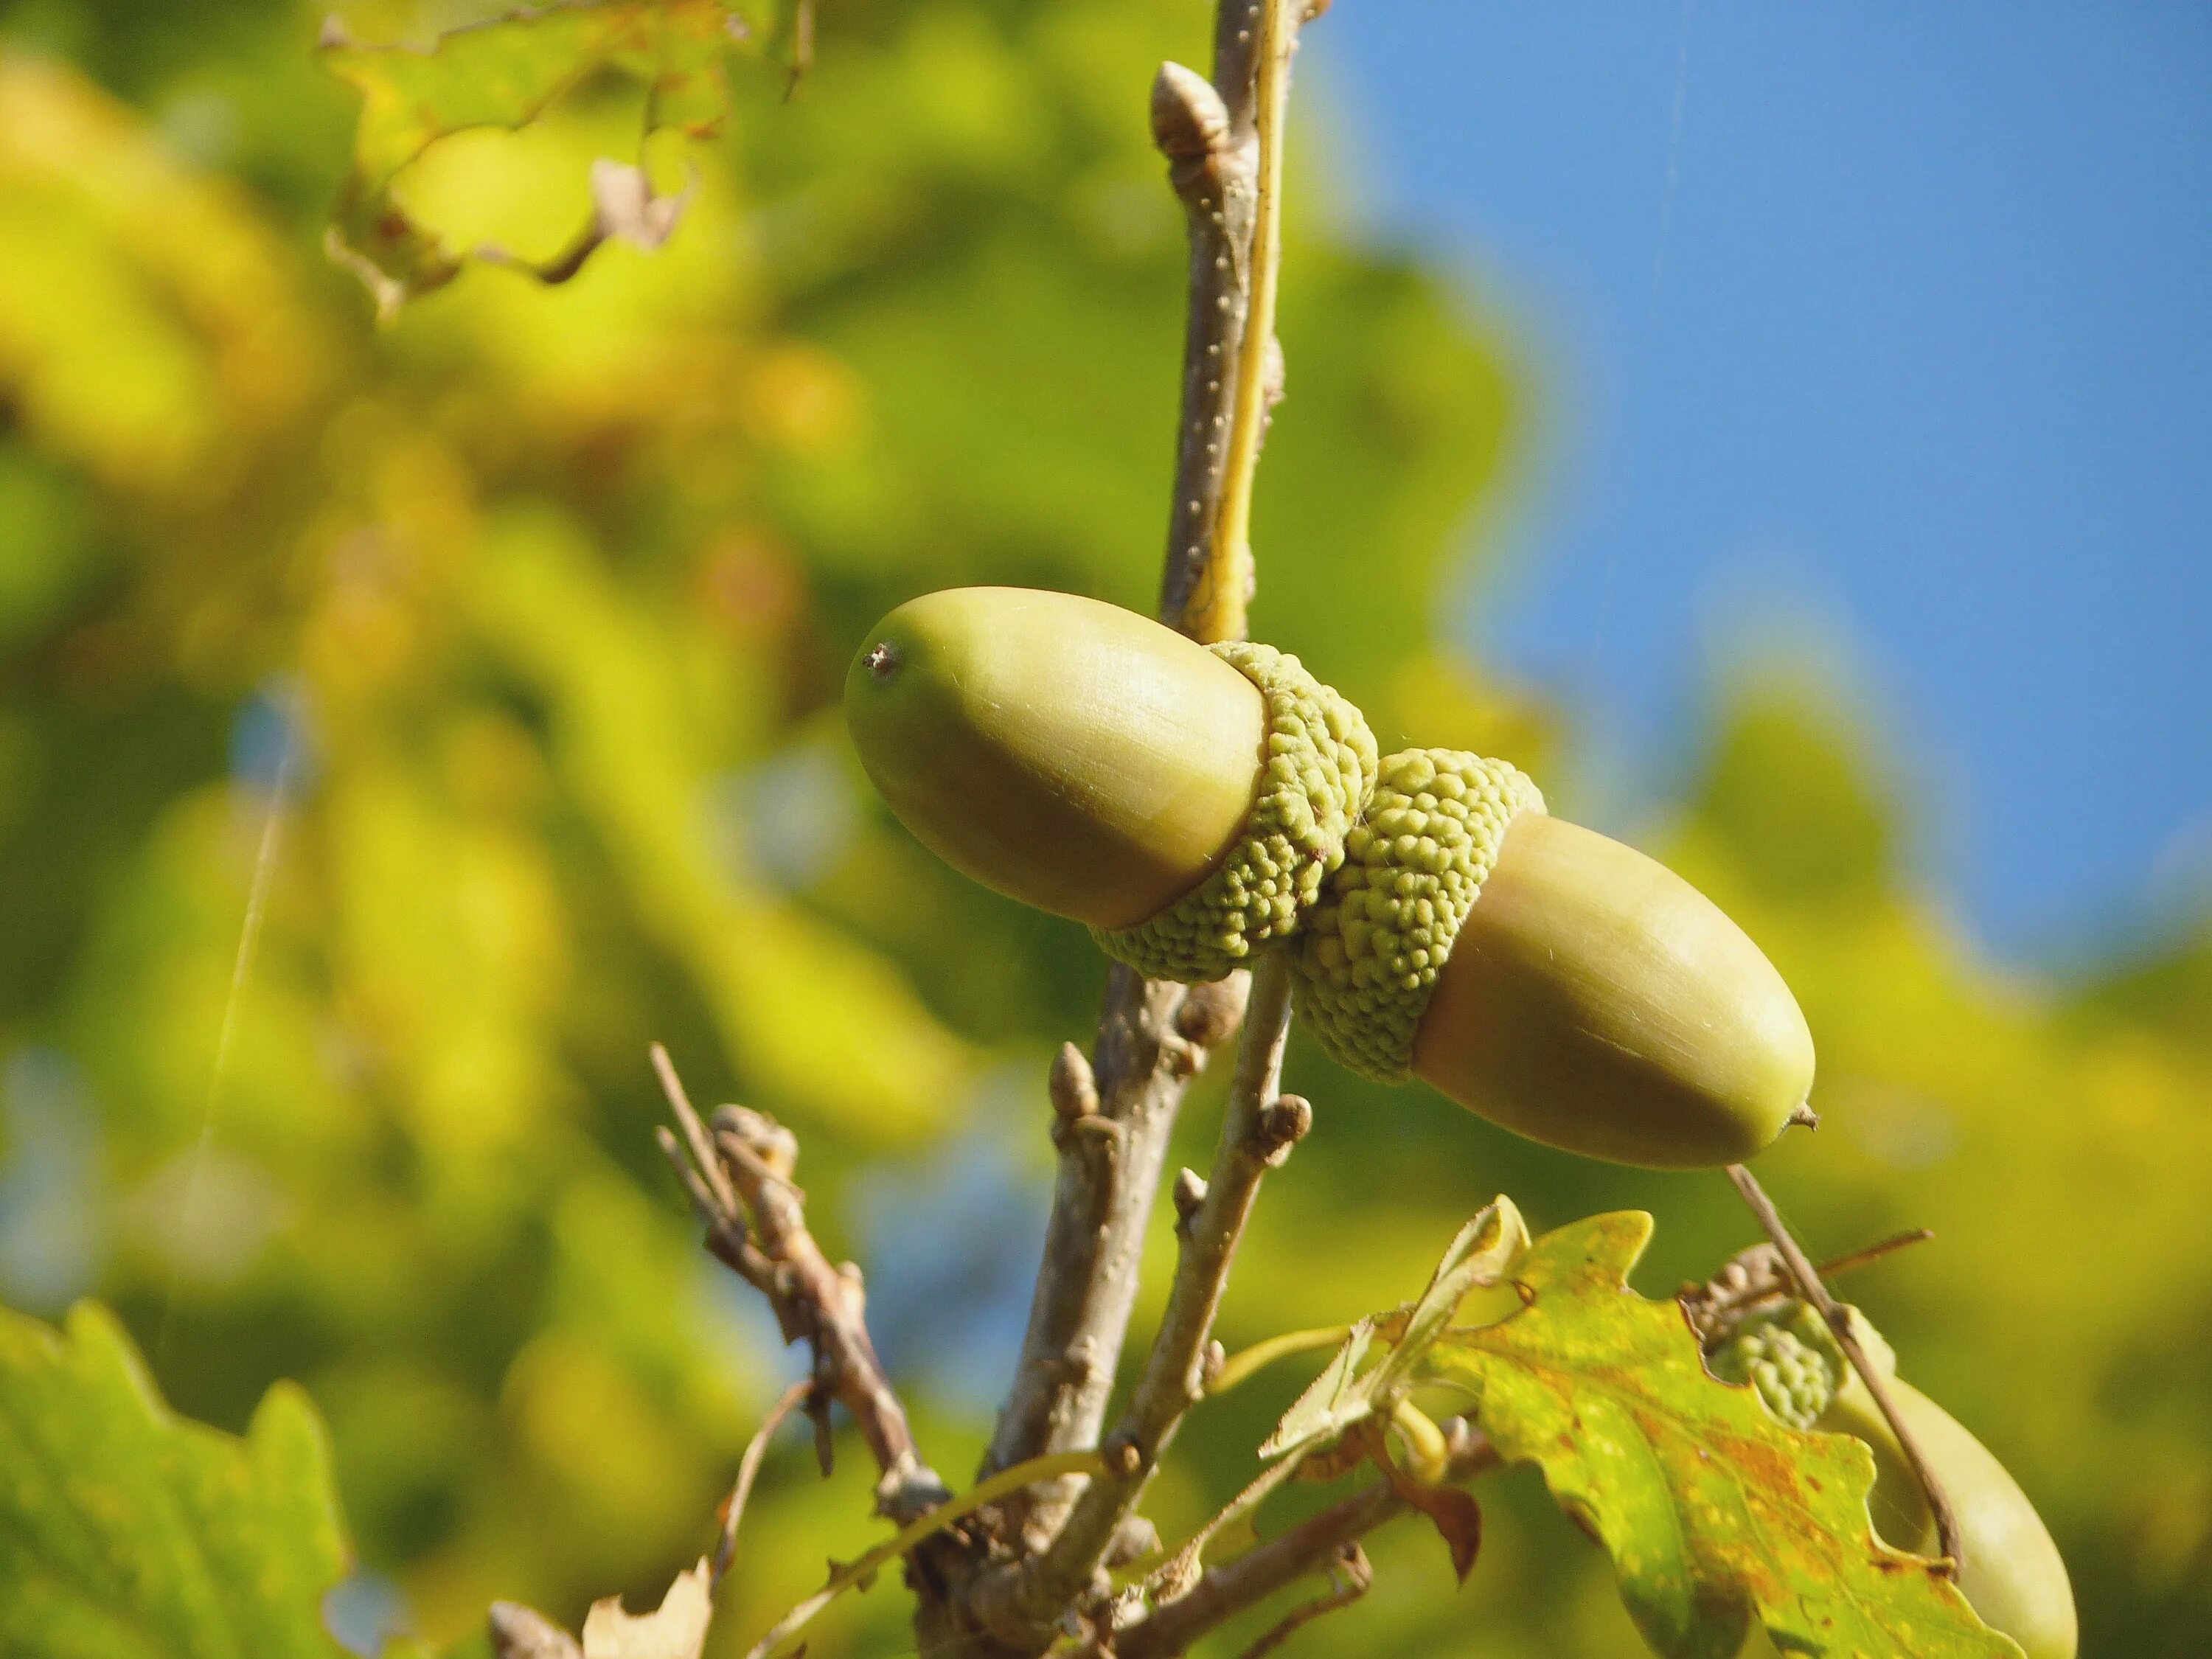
<point>1195,805</point>
<point>2010,1572</point>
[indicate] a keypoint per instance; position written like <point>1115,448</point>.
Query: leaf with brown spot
<point>1713,1512</point>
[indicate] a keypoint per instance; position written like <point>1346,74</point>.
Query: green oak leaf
<point>1713,1512</point>
<point>506,72</point>
<point>128,1532</point>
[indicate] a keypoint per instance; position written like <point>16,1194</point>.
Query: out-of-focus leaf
<point>506,72</point>
<point>148,321</point>
<point>814,1016</point>
<point>1713,1512</point>
<point>124,1531</point>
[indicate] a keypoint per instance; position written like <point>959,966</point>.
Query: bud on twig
<point>1283,1123</point>
<point>1190,120</point>
<point>1189,1194</point>
<point>1211,1013</point>
<point>1075,1091</point>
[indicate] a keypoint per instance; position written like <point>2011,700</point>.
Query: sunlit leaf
<point>508,72</point>
<point>128,1534</point>
<point>1713,1512</point>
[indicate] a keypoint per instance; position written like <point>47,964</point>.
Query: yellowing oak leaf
<point>1714,1512</point>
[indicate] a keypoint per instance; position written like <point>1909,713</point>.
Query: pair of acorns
<point>1196,805</point>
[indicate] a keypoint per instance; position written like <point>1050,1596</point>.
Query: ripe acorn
<point>1185,801</point>
<point>1549,979</point>
<point>2010,1572</point>
<point>1193,804</point>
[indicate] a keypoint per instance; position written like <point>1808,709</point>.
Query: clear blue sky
<point>1898,316</point>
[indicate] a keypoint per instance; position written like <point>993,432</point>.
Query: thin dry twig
<point>1352,1576</point>
<point>521,1632</point>
<point>733,1507</point>
<point>1760,1275</point>
<point>1839,1321</point>
<point>738,1176</point>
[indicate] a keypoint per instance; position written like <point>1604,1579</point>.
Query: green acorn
<point>1548,978</point>
<point>2010,1572</point>
<point>1185,801</point>
<point>1195,804</point>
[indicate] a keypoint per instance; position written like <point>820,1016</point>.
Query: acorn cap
<point>1550,980</point>
<point>1185,801</point>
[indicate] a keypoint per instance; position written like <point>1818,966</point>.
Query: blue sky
<point>1892,320</point>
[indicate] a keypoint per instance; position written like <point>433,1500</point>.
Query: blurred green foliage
<point>478,674</point>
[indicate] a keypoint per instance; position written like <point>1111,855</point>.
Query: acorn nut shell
<point>1186,802</point>
<point>1555,982</point>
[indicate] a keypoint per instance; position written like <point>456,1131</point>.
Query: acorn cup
<point>2010,1572</point>
<point>1195,804</point>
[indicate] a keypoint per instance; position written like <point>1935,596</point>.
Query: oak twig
<point>1839,1321</point>
<point>739,1180</point>
<point>1258,1129</point>
<point>1152,1037</point>
<point>916,1532</point>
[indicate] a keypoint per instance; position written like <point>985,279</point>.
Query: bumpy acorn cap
<point>1319,770</point>
<point>1413,867</point>
<point>1786,1351</point>
<point>1185,802</point>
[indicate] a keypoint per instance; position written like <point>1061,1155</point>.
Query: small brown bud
<point>1210,1014</point>
<point>776,1146</point>
<point>1075,1091</point>
<point>1190,120</point>
<point>1283,1123</point>
<point>1189,1194</point>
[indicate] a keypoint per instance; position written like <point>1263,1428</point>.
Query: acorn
<point>1195,804</point>
<point>1549,979</point>
<point>1186,801</point>
<point>2009,1571</point>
